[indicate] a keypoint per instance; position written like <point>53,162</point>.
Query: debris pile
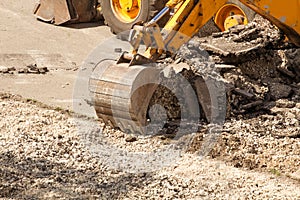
<point>30,69</point>
<point>258,66</point>
<point>261,72</point>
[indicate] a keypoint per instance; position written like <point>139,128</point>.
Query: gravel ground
<point>42,156</point>
<point>257,156</point>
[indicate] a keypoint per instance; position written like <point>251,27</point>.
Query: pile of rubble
<point>30,69</point>
<point>261,71</point>
<point>258,65</point>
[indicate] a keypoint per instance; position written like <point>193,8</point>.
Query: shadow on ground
<point>32,178</point>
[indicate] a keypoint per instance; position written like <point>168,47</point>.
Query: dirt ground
<point>43,155</point>
<point>26,41</point>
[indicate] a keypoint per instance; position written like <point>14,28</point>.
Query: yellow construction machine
<point>121,15</point>
<point>118,91</point>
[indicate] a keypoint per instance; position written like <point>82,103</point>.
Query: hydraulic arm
<point>192,15</point>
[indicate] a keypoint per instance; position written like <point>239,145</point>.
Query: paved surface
<point>25,40</point>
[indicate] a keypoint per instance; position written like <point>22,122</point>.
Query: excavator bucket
<point>120,95</point>
<point>66,11</point>
<point>136,99</point>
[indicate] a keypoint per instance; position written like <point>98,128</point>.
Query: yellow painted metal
<point>126,10</point>
<point>173,3</point>
<point>178,18</point>
<point>225,19</point>
<point>200,13</point>
<point>287,12</point>
<point>234,20</point>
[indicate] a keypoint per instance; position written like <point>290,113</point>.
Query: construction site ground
<point>43,156</point>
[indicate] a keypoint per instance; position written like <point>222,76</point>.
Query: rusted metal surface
<point>66,11</point>
<point>121,95</point>
<point>52,11</point>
